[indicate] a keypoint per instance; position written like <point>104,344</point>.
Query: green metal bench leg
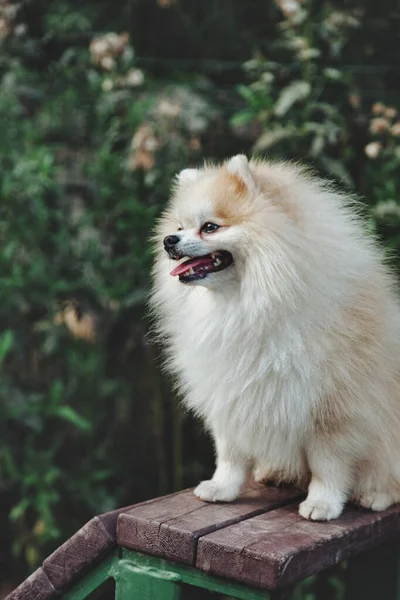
<point>375,575</point>
<point>145,583</point>
<point>184,580</point>
<point>142,577</point>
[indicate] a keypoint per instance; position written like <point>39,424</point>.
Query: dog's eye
<point>209,228</point>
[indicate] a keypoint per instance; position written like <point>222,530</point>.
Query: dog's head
<point>208,224</point>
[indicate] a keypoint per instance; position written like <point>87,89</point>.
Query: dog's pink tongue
<point>189,264</point>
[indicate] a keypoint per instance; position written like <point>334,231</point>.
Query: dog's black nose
<point>170,241</point>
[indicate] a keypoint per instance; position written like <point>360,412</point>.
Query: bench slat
<point>279,548</point>
<point>86,547</point>
<point>170,527</point>
<point>36,587</point>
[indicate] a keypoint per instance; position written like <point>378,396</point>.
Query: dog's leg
<point>378,484</point>
<point>331,478</point>
<point>229,476</point>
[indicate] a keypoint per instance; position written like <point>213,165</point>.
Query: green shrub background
<point>101,103</point>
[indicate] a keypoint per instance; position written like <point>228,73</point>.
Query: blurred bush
<point>89,146</point>
<point>304,99</point>
<point>97,113</point>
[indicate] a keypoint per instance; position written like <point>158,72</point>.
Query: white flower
<point>20,30</point>
<point>267,77</point>
<point>134,78</point>
<point>373,149</point>
<point>299,43</point>
<point>395,130</point>
<point>289,7</point>
<point>379,125</point>
<point>107,62</point>
<point>332,73</point>
<point>308,53</point>
<point>98,46</point>
<point>378,108</point>
<point>115,43</point>
<point>105,49</point>
<point>390,112</point>
<point>169,109</point>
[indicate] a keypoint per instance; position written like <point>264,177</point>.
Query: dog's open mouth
<point>200,266</point>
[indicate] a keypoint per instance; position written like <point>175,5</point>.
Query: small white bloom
<point>395,130</point>
<point>390,112</point>
<point>309,53</point>
<point>98,46</point>
<point>379,125</point>
<point>20,30</point>
<point>378,108</point>
<point>289,7</point>
<point>166,108</point>
<point>107,62</point>
<point>113,41</point>
<point>332,73</point>
<point>373,149</point>
<point>299,43</point>
<point>267,77</point>
<point>134,78</point>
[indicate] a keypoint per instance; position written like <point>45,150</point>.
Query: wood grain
<point>78,553</point>
<point>36,587</point>
<point>109,519</point>
<point>170,527</point>
<point>279,548</point>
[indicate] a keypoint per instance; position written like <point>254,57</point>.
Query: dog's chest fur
<point>249,379</point>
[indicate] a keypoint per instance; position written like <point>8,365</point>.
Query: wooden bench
<point>174,547</point>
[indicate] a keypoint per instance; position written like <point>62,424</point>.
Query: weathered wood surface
<point>259,540</point>
<point>279,548</point>
<point>170,527</point>
<point>36,587</point>
<point>85,548</point>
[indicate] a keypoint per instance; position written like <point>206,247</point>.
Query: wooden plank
<point>170,527</point>
<point>280,548</point>
<point>36,587</point>
<point>77,554</point>
<point>109,519</point>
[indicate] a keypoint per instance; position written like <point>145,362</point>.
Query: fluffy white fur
<point>291,356</point>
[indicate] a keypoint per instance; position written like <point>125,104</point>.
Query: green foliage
<point>89,146</point>
<point>305,104</point>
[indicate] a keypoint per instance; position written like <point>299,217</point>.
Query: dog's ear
<point>239,168</point>
<point>188,176</point>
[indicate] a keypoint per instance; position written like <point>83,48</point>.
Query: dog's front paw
<point>212,491</point>
<point>318,510</point>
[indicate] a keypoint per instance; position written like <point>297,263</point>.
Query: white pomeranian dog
<point>282,327</point>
